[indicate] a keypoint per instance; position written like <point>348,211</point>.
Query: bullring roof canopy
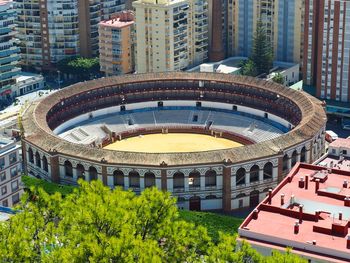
<point>299,108</point>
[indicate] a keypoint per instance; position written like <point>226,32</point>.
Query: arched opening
<point>194,179</point>
<point>240,198</point>
<point>240,176</point>
<point>178,180</point>
<point>37,160</point>
<point>134,179</point>
<point>80,171</point>
<point>31,155</point>
<point>303,155</point>
<point>118,178</point>
<point>254,174</point>
<point>285,163</point>
<point>254,198</point>
<point>268,170</point>
<point>92,173</point>
<point>68,169</point>
<point>150,179</point>
<point>294,158</point>
<point>45,164</point>
<point>195,203</point>
<point>210,178</point>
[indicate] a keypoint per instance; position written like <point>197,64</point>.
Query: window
<point>15,199</point>
<point>2,163</point>
<point>13,157</point>
<point>345,152</point>
<point>14,186</point>
<point>3,176</point>
<point>4,190</point>
<point>13,172</point>
<point>5,203</point>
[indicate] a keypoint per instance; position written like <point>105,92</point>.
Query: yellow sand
<point>172,142</point>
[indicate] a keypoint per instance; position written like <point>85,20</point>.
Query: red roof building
<point>308,211</point>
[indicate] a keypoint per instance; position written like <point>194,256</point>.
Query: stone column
<point>307,156</point>
<point>275,172</point>
<point>186,183</point>
<point>261,175</point>
<point>226,189</point>
<point>110,181</point>
<point>159,183</point>
<point>164,181</point>
<point>289,164</point>
<point>55,176</point>
<point>126,182</point>
<point>104,175</point>
<point>202,182</point>
<point>142,182</point>
<point>298,157</point>
<point>247,178</point>
<point>75,175</point>
<point>219,180</point>
<point>62,171</point>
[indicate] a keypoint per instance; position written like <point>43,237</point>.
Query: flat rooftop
<point>340,143</point>
<point>314,203</point>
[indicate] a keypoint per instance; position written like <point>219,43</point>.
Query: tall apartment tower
<point>327,48</point>
<point>282,19</point>
<point>171,35</point>
<point>48,31</point>
<point>117,44</point>
<point>9,56</point>
<point>91,13</point>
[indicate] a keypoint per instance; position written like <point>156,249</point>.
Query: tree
<point>81,68</point>
<point>262,54</point>
<point>95,224</point>
<point>249,68</point>
<point>278,78</point>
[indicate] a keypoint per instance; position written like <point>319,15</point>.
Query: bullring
<point>225,179</point>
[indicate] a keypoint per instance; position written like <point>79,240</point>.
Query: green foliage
<point>95,224</point>
<point>262,54</point>
<point>48,187</point>
<point>249,69</point>
<point>82,68</point>
<point>278,78</point>
<point>214,223</point>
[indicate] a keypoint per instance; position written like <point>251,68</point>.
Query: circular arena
<point>214,141</point>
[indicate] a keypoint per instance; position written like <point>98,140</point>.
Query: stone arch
<point>179,180</point>
<point>30,155</point>
<point>37,159</point>
<point>254,173</point>
<point>45,164</point>
<point>194,179</point>
<point>134,179</point>
<point>294,157</point>
<point>118,178</point>
<point>150,179</point>
<point>241,195</point>
<point>68,169</point>
<point>92,173</point>
<point>268,170</point>
<point>303,155</point>
<point>210,178</point>
<point>240,176</point>
<point>285,163</point>
<point>80,171</point>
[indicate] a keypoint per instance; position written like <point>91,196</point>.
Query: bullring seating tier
<point>91,130</point>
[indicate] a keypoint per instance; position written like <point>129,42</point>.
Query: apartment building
<point>282,19</point>
<point>91,13</point>
<point>327,48</point>
<point>48,31</point>
<point>10,173</point>
<point>171,35</point>
<point>116,44</point>
<point>9,53</point>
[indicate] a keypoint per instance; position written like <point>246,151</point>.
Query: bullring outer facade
<point>64,135</point>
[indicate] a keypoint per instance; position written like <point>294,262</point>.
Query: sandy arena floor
<point>171,143</point>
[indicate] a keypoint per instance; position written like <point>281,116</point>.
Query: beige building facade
<point>170,35</point>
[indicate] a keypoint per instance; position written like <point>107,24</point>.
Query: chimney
<point>345,184</point>
<point>296,227</point>
<point>270,196</point>
<point>317,185</point>
<point>282,199</point>
<point>314,242</point>
<point>255,214</point>
<point>300,214</point>
<point>317,215</point>
<point>306,182</point>
<point>348,242</point>
<point>301,182</point>
<point>347,201</point>
<point>340,215</point>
